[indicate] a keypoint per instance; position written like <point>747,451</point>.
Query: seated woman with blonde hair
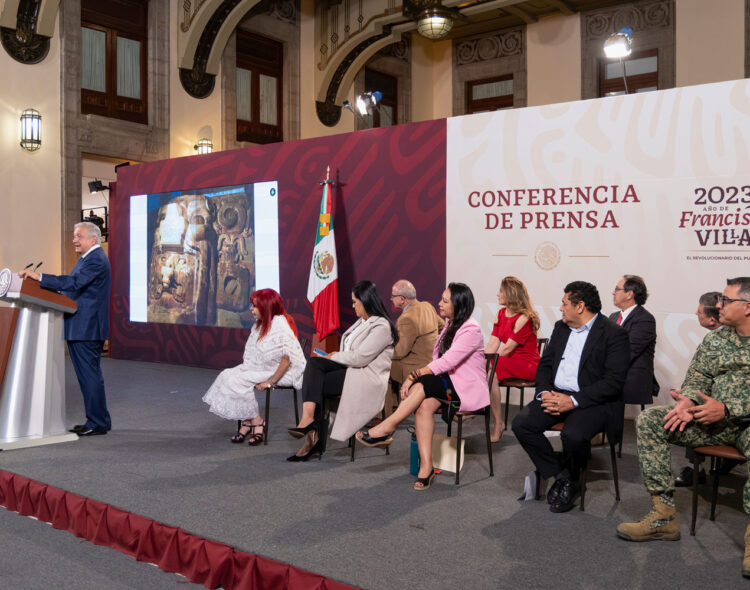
<point>273,356</point>
<point>455,380</point>
<point>514,339</point>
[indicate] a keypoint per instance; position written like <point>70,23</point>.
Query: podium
<point>32,364</point>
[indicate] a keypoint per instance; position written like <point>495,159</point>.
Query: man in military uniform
<point>713,398</point>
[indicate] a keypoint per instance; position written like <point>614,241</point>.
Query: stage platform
<point>170,460</point>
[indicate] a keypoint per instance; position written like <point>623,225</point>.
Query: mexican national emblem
<point>547,255</point>
<point>5,276</point>
<point>323,264</point>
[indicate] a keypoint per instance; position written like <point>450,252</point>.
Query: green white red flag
<point>322,288</point>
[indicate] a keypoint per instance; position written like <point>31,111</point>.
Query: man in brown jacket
<point>418,328</point>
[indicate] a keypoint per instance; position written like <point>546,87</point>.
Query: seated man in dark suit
<point>579,381</point>
<point>629,296</point>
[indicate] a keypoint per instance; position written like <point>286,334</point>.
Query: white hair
<point>91,228</point>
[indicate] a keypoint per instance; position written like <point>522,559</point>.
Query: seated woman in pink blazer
<point>456,379</point>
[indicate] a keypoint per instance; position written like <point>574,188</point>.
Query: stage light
<point>96,186</point>
<point>31,130</point>
<point>204,146</point>
<point>367,101</point>
<point>435,23</point>
<point>618,45</point>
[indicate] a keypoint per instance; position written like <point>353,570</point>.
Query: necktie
<point>619,319</point>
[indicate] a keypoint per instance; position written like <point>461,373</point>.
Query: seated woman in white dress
<point>272,356</point>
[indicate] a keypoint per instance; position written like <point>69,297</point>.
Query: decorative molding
<point>400,50</point>
<point>23,44</point>
<point>497,53</point>
<point>489,47</point>
<point>196,82</point>
<point>190,9</point>
<point>640,16</point>
<point>328,112</point>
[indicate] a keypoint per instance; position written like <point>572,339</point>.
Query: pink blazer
<point>464,363</point>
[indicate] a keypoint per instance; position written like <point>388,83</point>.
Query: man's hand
<point>30,274</point>
<point>555,403</point>
<point>710,411</point>
<point>678,417</point>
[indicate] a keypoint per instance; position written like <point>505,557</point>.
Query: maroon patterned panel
<point>388,218</point>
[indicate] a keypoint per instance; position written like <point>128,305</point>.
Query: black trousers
<point>323,378</point>
<point>580,426</point>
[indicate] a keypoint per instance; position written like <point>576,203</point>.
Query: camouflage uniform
<point>721,370</point>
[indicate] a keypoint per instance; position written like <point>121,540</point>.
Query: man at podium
<point>87,328</point>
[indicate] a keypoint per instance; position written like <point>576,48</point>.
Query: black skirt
<point>440,387</point>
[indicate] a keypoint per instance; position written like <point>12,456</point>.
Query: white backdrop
<point>654,184</point>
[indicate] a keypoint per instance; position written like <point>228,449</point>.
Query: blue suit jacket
<point>88,285</point>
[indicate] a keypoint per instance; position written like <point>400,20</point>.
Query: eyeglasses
<point>394,296</point>
<point>724,300</point>
<point>618,289</point>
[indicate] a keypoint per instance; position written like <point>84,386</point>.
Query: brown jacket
<point>418,328</point>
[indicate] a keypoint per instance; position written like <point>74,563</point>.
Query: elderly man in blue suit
<point>87,328</point>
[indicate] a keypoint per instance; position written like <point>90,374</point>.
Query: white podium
<point>32,364</point>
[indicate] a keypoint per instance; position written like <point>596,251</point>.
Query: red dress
<point>522,362</point>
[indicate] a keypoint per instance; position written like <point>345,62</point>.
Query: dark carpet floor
<point>168,459</point>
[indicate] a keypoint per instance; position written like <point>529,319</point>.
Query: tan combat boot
<point>746,559</point>
<point>659,524</point>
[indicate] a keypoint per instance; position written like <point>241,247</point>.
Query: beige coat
<point>418,328</point>
<point>369,362</point>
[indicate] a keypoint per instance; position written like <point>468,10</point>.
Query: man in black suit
<point>629,296</point>
<point>579,382</point>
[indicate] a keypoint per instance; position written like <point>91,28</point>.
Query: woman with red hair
<point>272,356</point>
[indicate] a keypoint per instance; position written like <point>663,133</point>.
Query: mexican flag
<point>322,288</point>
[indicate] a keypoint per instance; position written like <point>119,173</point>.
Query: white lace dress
<point>232,395</point>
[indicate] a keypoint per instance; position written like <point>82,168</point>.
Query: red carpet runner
<point>172,549</point>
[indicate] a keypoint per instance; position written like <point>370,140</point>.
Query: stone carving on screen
<point>202,262</point>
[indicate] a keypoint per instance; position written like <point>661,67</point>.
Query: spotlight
<point>618,45</point>
<point>96,186</point>
<point>367,101</point>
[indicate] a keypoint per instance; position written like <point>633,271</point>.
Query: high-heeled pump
<point>300,432</point>
<point>317,449</point>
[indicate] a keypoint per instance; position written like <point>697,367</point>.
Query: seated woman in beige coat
<point>358,373</point>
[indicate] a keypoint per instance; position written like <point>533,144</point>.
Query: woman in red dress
<point>514,338</point>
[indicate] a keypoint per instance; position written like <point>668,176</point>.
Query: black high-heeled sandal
<point>240,436</point>
<point>300,432</point>
<point>424,483</point>
<point>255,438</point>
<point>380,442</point>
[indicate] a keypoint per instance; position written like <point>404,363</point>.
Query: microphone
<point>37,266</point>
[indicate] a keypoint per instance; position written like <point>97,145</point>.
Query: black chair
<point>521,384</point>
<point>613,457</point>
<point>490,365</point>
<point>715,452</point>
<point>330,404</point>
<point>268,390</point>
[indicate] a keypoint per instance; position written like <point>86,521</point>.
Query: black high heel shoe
<point>300,432</point>
<point>317,449</point>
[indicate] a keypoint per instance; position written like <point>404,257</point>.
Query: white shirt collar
<point>90,250</point>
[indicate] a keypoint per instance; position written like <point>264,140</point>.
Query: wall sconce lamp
<point>31,130</point>
<point>204,146</point>
<point>619,45</point>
